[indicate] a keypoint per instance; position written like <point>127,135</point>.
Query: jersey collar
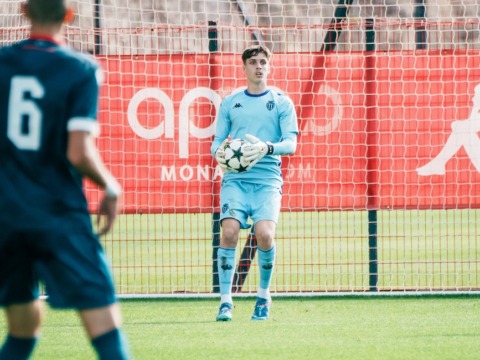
<point>256,95</point>
<point>46,38</point>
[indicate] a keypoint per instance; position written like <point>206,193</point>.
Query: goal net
<point>382,194</point>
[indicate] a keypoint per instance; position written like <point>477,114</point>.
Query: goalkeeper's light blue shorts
<point>241,200</point>
<point>70,262</point>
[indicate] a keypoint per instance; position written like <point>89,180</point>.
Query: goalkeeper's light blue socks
<point>111,346</point>
<point>266,262</point>
<point>17,348</point>
<point>226,271</point>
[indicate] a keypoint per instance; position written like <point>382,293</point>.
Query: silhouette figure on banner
<point>464,133</point>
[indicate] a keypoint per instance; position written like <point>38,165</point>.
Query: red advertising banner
<point>375,129</point>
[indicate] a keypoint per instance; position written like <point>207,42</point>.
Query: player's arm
<point>84,156</point>
<point>257,148</point>
<point>222,129</point>
<point>287,146</point>
<point>222,132</point>
<point>289,128</point>
<point>82,151</point>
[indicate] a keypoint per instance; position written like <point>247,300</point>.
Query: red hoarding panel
<point>419,96</point>
<point>366,125</point>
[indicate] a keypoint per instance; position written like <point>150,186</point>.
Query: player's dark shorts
<point>70,263</point>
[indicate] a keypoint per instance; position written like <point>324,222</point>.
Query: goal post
<point>382,194</point>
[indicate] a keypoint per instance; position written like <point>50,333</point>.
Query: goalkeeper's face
<point>256,68</point>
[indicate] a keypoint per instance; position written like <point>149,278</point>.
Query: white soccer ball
<point>234,155</point>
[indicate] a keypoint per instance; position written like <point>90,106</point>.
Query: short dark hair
<point>254,51</point>
<point>47,11</point>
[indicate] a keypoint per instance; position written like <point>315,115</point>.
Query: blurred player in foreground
<point>267,120</point>
<point>48,109</point>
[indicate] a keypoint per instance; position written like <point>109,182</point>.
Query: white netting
<point>379,86</point>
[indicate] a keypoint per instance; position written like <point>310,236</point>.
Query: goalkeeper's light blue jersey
<point>269,116</point>
<point>46,90</point>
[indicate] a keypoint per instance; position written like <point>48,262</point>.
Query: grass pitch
<point>377,327</point>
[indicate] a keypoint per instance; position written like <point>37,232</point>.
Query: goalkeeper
<point>267,120</point>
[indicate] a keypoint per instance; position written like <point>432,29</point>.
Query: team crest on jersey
<point>270,105</point>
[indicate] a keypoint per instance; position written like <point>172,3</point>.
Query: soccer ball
<point>234,155</point>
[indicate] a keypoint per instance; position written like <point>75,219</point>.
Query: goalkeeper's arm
<point>257,149</point>
<point>285,147</point>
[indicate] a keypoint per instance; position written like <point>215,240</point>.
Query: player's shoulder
<point>53,52</point>
<point>236,94</point>
<point>81,65</point>
<point>280,97</point>
<point>234,97</point>
<point>277,93</point>
<point>79,59</point>
<point>7,50</point>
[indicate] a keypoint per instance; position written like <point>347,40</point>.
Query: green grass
<point>316,251</point>
<point>443,327</point>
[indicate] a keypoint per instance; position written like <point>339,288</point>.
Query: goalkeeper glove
<point>256,149</point>
<point>220,157</point>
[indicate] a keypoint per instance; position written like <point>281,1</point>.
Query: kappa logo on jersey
<point>237,105</point>
<point>270,105</point>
